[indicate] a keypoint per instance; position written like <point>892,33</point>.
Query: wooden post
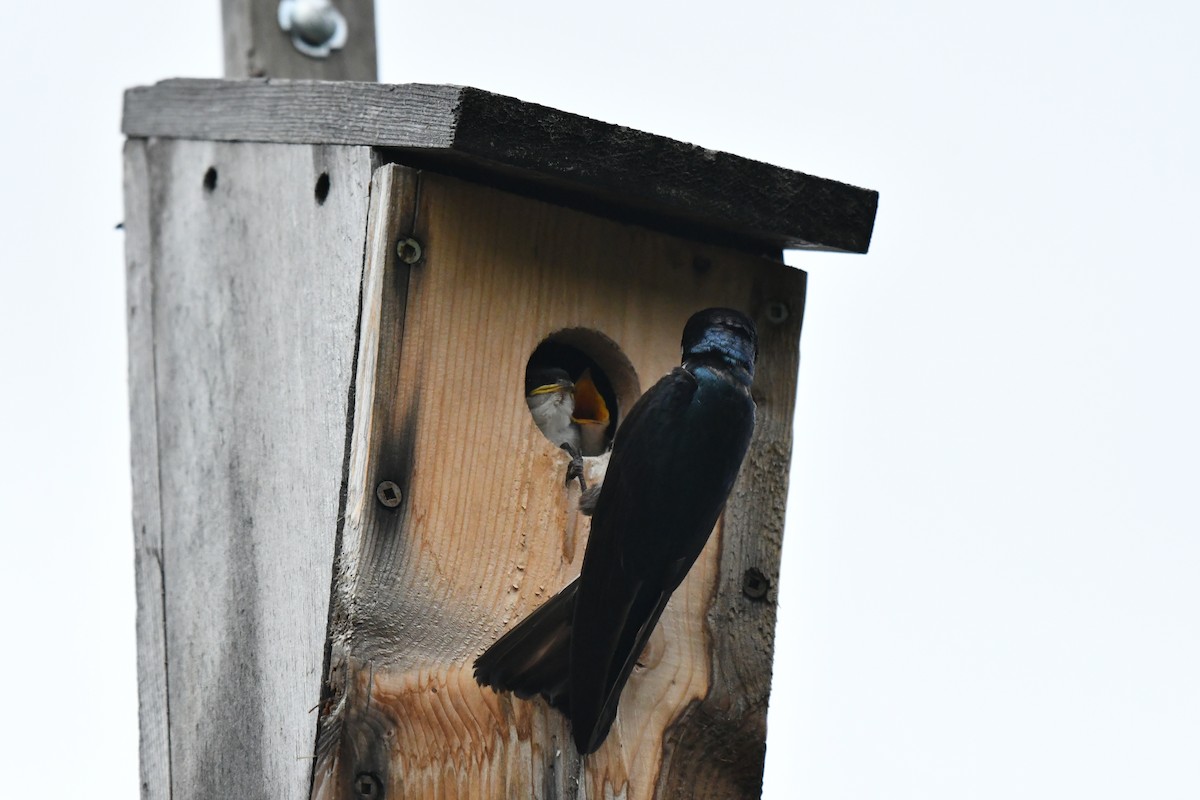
<point>341,497</point>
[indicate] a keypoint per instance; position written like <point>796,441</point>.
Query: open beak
<point>590,408</point>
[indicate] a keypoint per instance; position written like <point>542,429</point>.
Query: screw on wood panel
<point>755,585</point>
<point>409,250</point>
<point>777,312</point>
<point>210,179</point>
<point>367,785</point>
<point>317,28</point>
<point>389,494</point>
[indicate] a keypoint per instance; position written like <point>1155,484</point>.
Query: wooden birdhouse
<point>337,292</point>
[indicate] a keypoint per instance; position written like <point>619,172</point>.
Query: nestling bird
<point>590,415</point>
<point>673,464</point>
<point>550,395</point>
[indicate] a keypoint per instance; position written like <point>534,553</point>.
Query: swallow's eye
<point>601,383</point>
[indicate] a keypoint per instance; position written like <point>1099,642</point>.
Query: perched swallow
<point>674,460</point>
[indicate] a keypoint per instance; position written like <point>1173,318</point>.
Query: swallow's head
<point>722,334</point>
<point>548,381</point>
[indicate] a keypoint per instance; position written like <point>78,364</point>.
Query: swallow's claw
<point>575,467</point>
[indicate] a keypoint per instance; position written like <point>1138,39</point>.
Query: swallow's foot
<point>575,468</point>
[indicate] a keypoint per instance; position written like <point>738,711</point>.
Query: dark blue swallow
<point>674,460</point>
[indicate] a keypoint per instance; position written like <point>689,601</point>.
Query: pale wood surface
<point>256,47</point>
<point>245,296</point>
<point>486,530</point>
<point>526,148</point>
<point>154,742</point>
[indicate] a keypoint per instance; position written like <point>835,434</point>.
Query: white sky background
<point>991,581</point>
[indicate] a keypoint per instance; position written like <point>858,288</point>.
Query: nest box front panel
<point>458,520</point>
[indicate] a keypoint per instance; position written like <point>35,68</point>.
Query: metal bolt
<point>777,312</point>
<point>317,28</point>
<point>755,584</point>
<point>409,250</point>
<point>389,494</point>
<point>367,785</point>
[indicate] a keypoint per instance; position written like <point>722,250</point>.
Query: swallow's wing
<point>625,595</point>
<point>606,641</point>
<point>644,450</point>
<point>673,464</point>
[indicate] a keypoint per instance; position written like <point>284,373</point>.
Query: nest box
<point>341,498</point>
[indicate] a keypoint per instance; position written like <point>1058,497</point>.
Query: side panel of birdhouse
<point>244,273</point>
<point>458,521</point>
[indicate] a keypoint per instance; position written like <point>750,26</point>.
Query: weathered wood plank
<point>529,149</point>
<point>255,282</point>
<point>294,112</point>
<point>348,747</point>
<point>486,529</point>
<point>154,736</point>
<point>256,47</point>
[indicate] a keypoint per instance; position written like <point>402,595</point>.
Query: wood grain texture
<point>255,289</point>
<point>255,46</point>
<point>351,744</point>
<point>154,737</point>
<point>487,531</point>
<point>529,149</point>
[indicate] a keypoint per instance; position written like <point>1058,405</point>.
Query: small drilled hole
<point>576,382</point>
<point>321,191</point>
<point>210,179</point>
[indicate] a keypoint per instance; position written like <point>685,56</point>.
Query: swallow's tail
<point>535,656</point>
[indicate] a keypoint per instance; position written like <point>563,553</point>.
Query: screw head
<point>389,494</point>
<point>409,250</point>
<point>777,312</point>
<point>317,28</point>
<point>367,785</point>
<point>755,584</point>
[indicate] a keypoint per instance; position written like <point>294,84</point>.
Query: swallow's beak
<point>560,385</point>
<point>590,408</point>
